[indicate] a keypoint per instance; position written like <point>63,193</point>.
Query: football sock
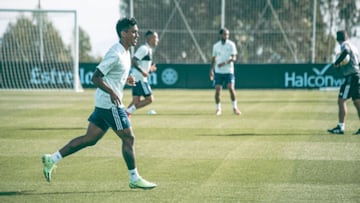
<point>134,175</point>
<point>218,106</point>
<point>234,104</point>
<point>342,126</point>
<point>56,157</point>
<point>131,109</point>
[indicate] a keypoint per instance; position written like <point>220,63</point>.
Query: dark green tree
<point>35,39</point>
<point>85,48</point>
<point>349,15</point>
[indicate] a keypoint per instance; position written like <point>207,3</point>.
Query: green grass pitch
<point>278,150</point>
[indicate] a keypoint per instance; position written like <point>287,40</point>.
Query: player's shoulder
<point>217,44</point>
<point>116,48</point>
<point>143,46</point>
<point>230,42</point>
<point>115,51</point>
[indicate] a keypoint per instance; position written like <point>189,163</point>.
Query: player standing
<point>143,66</point>
<point>351,87</point>
<point>222,69</point>
<point>110,77</point>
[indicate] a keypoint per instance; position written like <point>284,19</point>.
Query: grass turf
<point>278,150</point>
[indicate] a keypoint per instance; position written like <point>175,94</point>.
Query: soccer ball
<point>151,112</point>
<point>345,61</point>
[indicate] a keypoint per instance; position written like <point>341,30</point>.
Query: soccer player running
<point>351,87</point>
<point>110,77</point>
<point>143,66</point>
<point>222,69</point>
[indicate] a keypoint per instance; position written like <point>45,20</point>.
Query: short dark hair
<point>341,35</point>
<point>149,32</point>
<point>222,30</point>
<point>124,24</point>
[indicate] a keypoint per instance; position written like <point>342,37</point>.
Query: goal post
<point>39,49</point>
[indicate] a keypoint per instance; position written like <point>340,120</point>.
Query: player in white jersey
<point>143,66</point>
<point>222,69</point>
<point>351,87</point>
<point>110,78</point>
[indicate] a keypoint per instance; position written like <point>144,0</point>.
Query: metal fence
<point>265,31</point>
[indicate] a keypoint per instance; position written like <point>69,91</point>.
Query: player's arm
<point>231,59</point>
<point>98,81</point>
<point>152,68</point>
<point>137,66</point>
<point>341,58</point>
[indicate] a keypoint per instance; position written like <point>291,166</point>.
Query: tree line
<point>265,31</point>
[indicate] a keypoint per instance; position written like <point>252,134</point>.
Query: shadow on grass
<point>259,134</point>
<point>49,129</point>
<point>33,192</point>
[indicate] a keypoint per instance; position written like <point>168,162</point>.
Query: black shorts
<point>351,87</point>
<point>141,88</point>
<point>114,118</point>
<point>221,78</point>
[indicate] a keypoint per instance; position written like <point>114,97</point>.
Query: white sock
<point>56,157</point>
<point>342,126</point>
<point>131,109</point>
<point>134,175</point>
<point>234,104</point>
<point>218,106</point>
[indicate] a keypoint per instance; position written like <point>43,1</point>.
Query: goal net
<point>39,49</point>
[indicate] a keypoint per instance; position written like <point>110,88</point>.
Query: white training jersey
<point>353,66</point>
<point>144,56</point>
<point>115,66</point>
<point>223,52</point>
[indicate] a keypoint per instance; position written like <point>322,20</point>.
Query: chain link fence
<point>265,31</point>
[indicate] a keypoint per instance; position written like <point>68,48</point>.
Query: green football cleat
<point>49,166</point>
<point>142,184</point>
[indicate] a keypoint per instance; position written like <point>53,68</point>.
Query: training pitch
<point>278,150</point>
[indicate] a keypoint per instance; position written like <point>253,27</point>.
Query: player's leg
<point>342,110</point>
<point>357,106</point>
<point>218,89</point>
<point>136,96</point>
<point>122,128</point>
<point>128,151</point>
<point>132,106</point>
<point>95,131</point>
<point>146,93</point>
<point>142,89</point>
<point>356,97</point>
<point>231,88</point>
<point>218,81</point>
<point>344,94</point>
<point>93,134</point>
<point>146,101</point>
<point>127,137</point>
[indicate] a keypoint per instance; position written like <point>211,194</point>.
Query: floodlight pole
<point>40,24</point>
<point>313,39</point>
<point>132,49</point>
<point>222,13</point>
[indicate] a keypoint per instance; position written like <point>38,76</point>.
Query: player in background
<point>222,69</point>
<point>351,87</point>
<point>110,77</point>
<point>143,66</point>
